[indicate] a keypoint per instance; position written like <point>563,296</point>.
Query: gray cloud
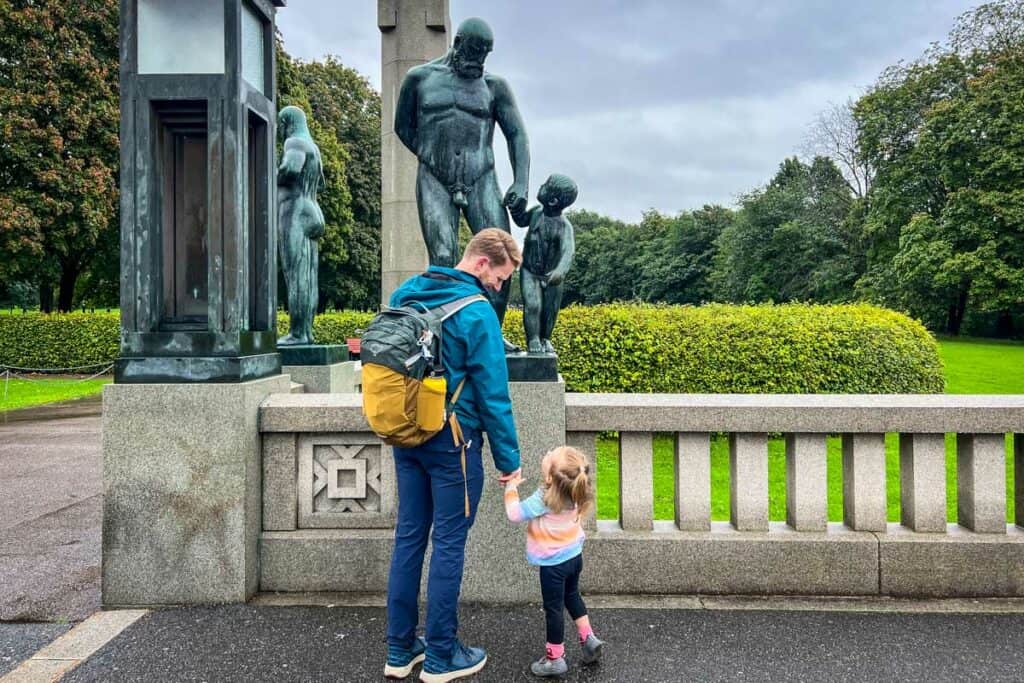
<point>665,105</point>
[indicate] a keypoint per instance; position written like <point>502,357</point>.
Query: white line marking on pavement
<point>68,651</point>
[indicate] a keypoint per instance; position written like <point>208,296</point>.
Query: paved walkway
<point>248,643</point>
<point>50,512</point>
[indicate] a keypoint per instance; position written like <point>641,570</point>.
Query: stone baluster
<point>693,481</point>
<point>1018,479</point>
<point>806,482</point>
<point>748,481</point>
<point>586,443</point>
<point>981,482</point>
<point>636,481</point>
<point>864,482</point>
<point>923,482</point>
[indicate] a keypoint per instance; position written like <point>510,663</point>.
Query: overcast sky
<point>658,104</point>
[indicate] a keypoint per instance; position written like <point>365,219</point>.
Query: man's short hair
<point>497,245</point>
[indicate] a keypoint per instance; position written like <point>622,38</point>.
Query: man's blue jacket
<point>473,348</point>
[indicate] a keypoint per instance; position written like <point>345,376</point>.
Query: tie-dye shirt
<point>551,537</point>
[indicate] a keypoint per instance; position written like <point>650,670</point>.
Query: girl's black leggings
<point>560,587</point>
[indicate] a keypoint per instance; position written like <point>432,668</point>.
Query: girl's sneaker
<point>549,668</point>
<point>401,661</point>
<point>591,649</point>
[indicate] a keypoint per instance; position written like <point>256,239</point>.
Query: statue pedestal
<point>321,368</point>
<point>181,491</point>
<point>532,367</point>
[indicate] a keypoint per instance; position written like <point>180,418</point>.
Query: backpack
<point>404,388</point>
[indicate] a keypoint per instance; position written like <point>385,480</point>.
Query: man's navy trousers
<point>432,493</point>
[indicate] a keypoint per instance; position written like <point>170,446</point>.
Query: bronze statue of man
<point>300,222</point>
<point>445,115</point>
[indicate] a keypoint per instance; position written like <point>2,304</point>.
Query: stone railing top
<point>809,413</point>
<point>313,413</point>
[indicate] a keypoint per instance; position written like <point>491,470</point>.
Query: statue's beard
<point>466,68</point>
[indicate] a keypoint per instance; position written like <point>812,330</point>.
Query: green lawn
<point>20,393</point>
<point>972,367</point>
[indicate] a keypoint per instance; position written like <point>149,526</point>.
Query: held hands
<point>515,198</point>
<point>511,479</point>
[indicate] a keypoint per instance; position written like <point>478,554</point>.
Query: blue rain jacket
<point>473,348</point>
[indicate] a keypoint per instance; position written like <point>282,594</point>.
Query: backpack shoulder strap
<point>452,307</point>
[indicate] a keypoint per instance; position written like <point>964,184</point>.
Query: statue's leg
<point>552,302</point>
<point>532,304</point>
<point>314,290</point>
<point>485,210</point>
<point>439,219</point>
<point>290,243</point>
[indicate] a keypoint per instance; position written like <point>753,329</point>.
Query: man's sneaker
<point>401,660</point>
<point>591,649</point>
<point>464,661</point>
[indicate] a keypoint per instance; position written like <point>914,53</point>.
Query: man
<point>445,115</point>
<point>432,486</point>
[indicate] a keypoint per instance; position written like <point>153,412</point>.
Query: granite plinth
<point>202,369</point>
<point>181,491</point>
<point>313,354</point>
<point>532,367</point>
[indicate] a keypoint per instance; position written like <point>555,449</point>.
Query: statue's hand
<point>515,198</point>
<point>314,231</point>
<point>555,278</point>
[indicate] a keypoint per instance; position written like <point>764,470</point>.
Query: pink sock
<point>583,627</point>
<point>555,651</point>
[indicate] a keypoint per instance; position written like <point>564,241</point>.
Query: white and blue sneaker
<point>464,661</point>
<point>401,660</point>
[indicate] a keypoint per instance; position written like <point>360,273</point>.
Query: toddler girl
<point>554,542</point>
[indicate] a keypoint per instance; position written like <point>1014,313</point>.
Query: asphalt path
<point>50,512</point>
<point>249,643</point>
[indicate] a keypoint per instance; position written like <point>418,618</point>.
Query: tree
<point>945,133</point>
<point>677,267</point>
<point>834,134</point>
<point>59,148</point>
<point>791,240</point>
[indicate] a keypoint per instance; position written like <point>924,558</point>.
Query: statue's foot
<point>548,346</point>
<point>510,347</point>
<point>535,346</point>
<point>288,340</point>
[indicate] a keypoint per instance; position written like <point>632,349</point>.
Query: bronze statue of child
<point>547,255</point>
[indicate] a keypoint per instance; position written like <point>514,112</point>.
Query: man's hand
<point>515,198</point>
<point>506,477</point>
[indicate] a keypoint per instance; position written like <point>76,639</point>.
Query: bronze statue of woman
<point>300,222</point>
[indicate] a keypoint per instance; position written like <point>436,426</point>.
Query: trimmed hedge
<point>58,340</point>
<point>716,348</point>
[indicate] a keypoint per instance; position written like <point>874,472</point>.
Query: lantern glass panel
<point>253,48</point>
<point>181,37</point>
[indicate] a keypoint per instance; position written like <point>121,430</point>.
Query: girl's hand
<point>514,481</point>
